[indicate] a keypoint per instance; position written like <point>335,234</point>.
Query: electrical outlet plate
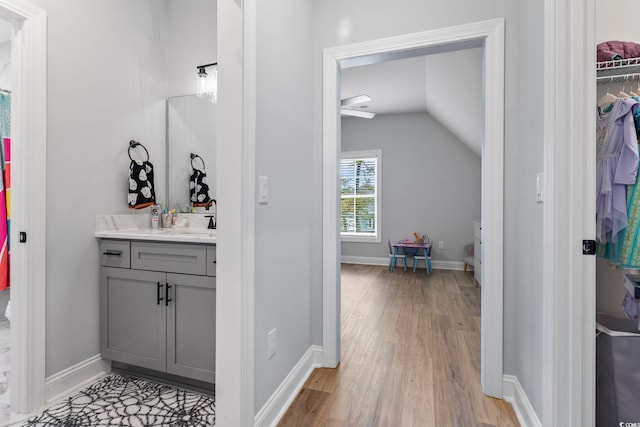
<point>441,245</point>
<point>263,190</point>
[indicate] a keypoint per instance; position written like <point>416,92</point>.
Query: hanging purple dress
<point>616,166</point>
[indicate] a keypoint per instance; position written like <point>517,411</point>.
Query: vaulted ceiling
<point>447,85</point>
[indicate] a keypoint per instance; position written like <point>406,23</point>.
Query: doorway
<point>490,36</point>
<point>5,213</point>
<point>28,202</point>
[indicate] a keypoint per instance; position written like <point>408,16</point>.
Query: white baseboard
<point>447,265</point>
<point>274,409</point>
<point>440,265</point>
<point>69,380</point>
<point>515,394</point>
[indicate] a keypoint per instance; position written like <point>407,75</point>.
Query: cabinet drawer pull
<point>166,295</point>
<point>158,297</point>
<point>111,252</point>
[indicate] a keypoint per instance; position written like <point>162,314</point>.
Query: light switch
<point>539,183</point>
<point>263,190</point>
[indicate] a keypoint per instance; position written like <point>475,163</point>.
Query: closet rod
<point>618,78</point>
<point>8,92</point>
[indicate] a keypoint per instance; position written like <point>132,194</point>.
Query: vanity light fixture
<point>207,83</point>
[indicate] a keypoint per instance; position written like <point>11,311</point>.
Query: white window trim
<point>360,155</point>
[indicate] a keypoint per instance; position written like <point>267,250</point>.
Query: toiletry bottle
<point>155,216</point>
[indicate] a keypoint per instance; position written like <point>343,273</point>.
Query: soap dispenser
<point>212,218</point>
<point>212,222</point>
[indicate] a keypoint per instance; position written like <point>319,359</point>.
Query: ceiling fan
<point>347,107</point>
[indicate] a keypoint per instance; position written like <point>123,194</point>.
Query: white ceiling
<point>446,85</point>
<point>394,87</point>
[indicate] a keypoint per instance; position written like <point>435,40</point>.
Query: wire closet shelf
<point>618,70</point>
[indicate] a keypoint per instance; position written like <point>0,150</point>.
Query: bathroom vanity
<point>158,296</point>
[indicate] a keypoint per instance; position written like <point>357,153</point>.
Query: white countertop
<point>137,227</point>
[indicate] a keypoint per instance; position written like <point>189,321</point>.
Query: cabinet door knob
<point>166,295</point>
<point>158,297</point>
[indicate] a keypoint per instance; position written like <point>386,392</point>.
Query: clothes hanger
<point>637,91</point>
<point>607,99</point>
<point>622,93</point>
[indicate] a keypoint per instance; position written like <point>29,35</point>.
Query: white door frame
<point>568,381</point>
<point>236,240</point>
<point>28,202</point>
<point>491,35</point>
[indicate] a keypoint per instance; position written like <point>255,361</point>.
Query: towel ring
<point>134,144</point>
<point>194,156</point>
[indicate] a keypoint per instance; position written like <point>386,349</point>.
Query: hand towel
<point>141,190</point>
<point>199,188</point>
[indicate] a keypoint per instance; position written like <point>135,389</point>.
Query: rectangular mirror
<point>191,128</point>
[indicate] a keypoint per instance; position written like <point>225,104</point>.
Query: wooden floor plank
<point>310,403</point>
<point>410,356</point>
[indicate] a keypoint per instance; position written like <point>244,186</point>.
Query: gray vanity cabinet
<point>133,323</point>
<point>154,314</point>
<point>191,327</point>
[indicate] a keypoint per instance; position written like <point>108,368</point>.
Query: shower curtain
<point>5,162</point>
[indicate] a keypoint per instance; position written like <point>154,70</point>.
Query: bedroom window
<point>360,196</point>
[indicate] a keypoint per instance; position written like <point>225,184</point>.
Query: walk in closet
<point>617,232</point>
<point>618,198</point>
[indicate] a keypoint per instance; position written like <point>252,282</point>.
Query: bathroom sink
<point>194,231</point>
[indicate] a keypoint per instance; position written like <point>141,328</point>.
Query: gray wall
<point>523,215</point>
<point>108,91</point>
<point>111,89</point>
<point>430,182</point>
<point>283,154</point>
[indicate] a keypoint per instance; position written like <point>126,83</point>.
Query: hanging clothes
<point>625,249</point>
<point>616,166</point>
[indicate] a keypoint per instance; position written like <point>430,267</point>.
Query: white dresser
<point>477,251</point>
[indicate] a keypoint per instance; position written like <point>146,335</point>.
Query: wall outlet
<point>440,244</point>
<point>271,346</point>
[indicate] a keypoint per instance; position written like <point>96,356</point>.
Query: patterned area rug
<point>120,400</point>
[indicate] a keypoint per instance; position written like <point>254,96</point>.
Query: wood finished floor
<point>410,356</point>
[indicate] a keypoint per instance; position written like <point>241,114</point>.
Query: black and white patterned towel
<point>199,188</point>
<point>141,190</point>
